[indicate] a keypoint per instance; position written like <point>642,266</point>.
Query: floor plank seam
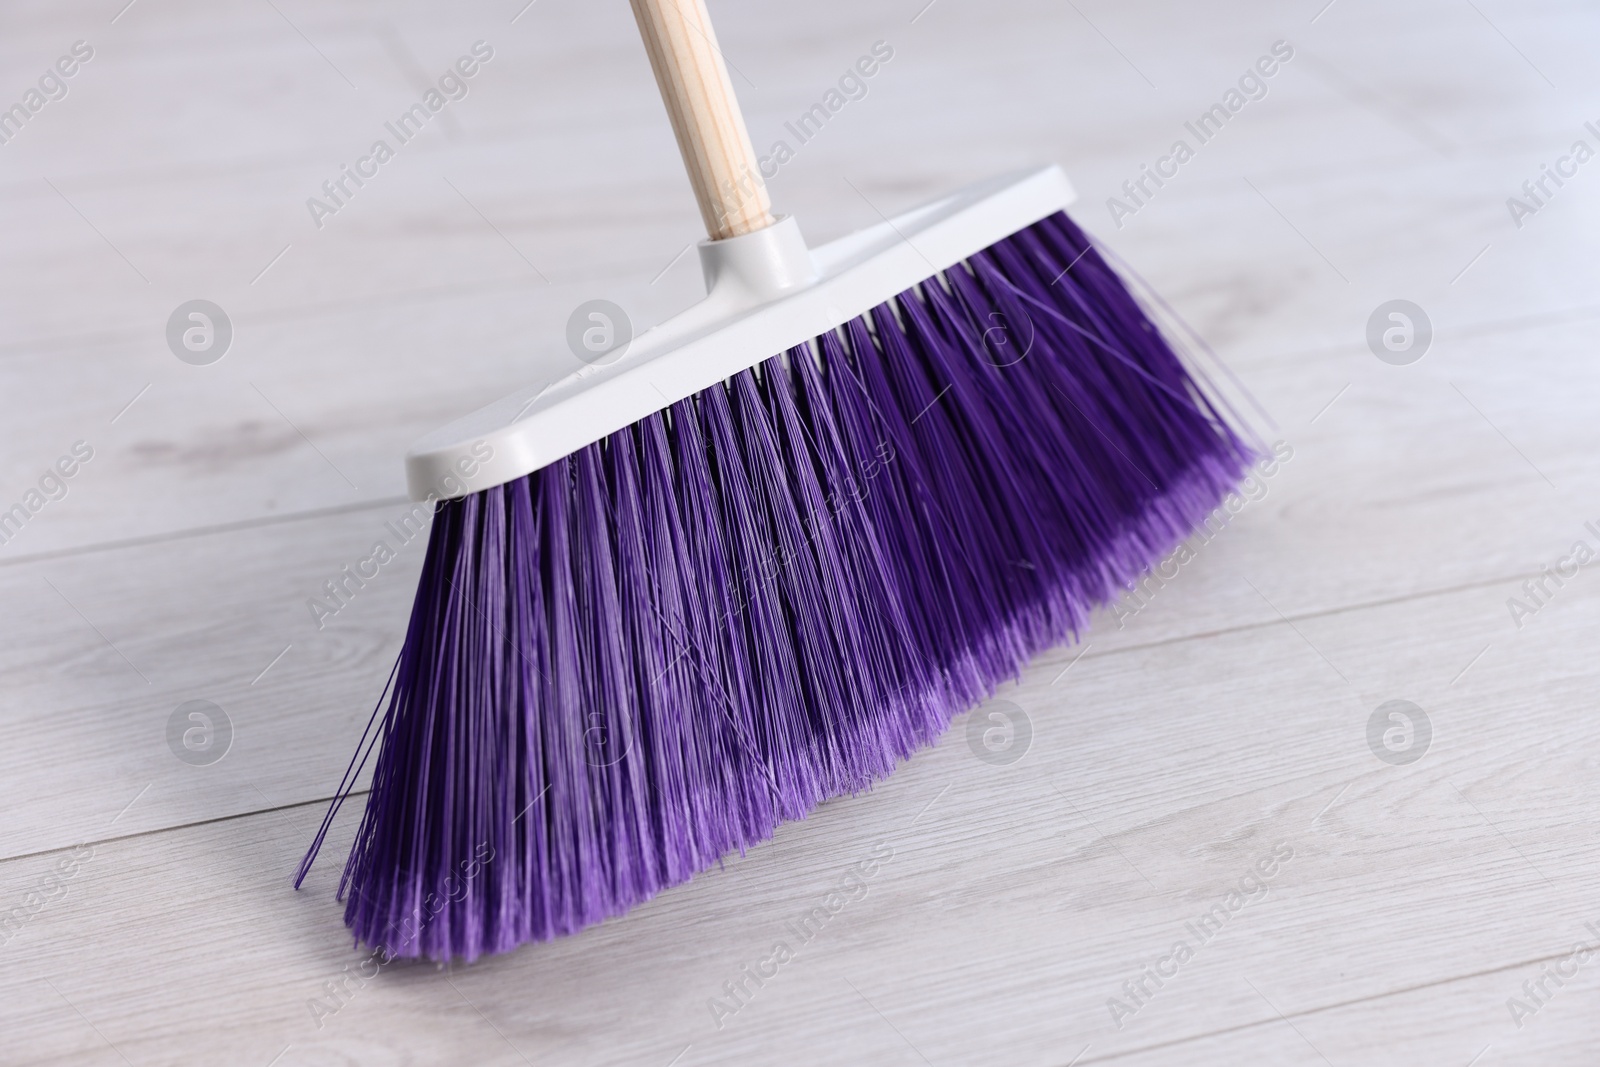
<point>260,522</point>
<point>159,830</point>
<point>1304,1012</point>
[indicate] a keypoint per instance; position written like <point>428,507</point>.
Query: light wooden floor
<point>1224,722</point>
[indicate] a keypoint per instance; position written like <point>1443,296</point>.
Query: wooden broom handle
<point>705,115</point>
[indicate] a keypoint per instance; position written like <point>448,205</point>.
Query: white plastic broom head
<point>766,293</point>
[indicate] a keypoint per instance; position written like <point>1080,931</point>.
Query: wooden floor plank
<point>122,637</point>
<point>460,319</point>
<point>1033,891</point>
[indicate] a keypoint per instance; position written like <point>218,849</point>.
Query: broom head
<point>765,555</point>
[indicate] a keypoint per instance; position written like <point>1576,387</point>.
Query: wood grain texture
<point>698,93</point>
<point>1197,728</point>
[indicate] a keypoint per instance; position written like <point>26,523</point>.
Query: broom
<point>766,553</point>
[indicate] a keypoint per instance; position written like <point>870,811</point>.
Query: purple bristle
<point>646,655</point>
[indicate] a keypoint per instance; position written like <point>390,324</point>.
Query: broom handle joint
<point>705,116</point>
